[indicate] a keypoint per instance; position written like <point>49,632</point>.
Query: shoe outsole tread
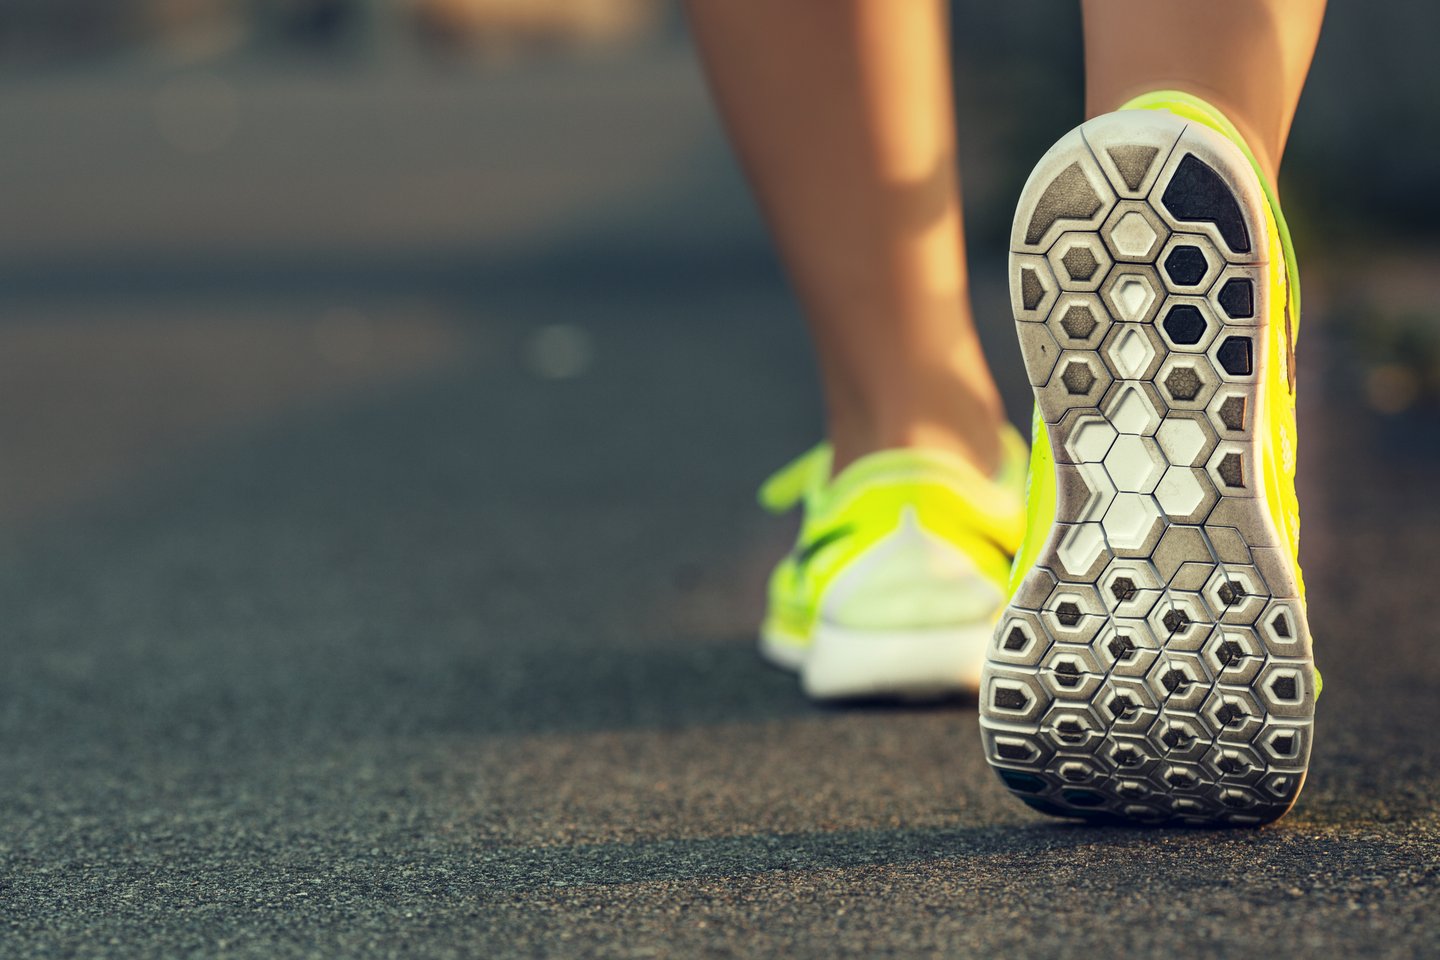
<point>1155,664</point>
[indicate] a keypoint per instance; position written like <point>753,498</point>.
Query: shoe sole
<point>849,664</point>
<point>1155,664</point>
<point>782,649</point>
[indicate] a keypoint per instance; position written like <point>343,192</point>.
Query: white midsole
<point>784,650</point>
<point>846,662</point>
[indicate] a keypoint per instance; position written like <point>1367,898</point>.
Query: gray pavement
<point>379,571</point>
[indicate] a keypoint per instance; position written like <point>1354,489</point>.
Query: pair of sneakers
<point>1127,605</point>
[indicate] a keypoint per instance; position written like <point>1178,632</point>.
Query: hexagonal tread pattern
<point>1154,665</point>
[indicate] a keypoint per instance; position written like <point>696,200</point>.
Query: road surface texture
<point>379,567</point>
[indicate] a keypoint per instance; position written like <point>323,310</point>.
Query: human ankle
<point>975,439</point>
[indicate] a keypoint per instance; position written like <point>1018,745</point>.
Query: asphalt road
<point>379,570</point>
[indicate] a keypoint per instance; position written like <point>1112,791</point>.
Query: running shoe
<point>1154,661</point>
<point>899,572</point>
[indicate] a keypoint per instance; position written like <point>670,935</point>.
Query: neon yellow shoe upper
<point>1278,466</point>
<point>902,539</point>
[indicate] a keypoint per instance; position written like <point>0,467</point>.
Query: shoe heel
<point>1155,664</point>
<point>921,663</point>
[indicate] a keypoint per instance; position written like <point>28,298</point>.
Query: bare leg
<point>842,114</point>
<point>1248,57</point>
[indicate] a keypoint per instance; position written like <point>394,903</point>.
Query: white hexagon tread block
<point>1134,463</point>
<point>1133,296</point>
<point>1081,547</point>
<point>1132,235</point>
<point>1132,412</point>
<point>1180,492</point>
<point>1130,354</point>
<point>1102,491</point>
<point>1182,440</point>
<point>1091,440</point>
<point>1130,519</point>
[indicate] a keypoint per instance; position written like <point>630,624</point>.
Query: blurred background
<point>219,211</point>
<point>383,389</point>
